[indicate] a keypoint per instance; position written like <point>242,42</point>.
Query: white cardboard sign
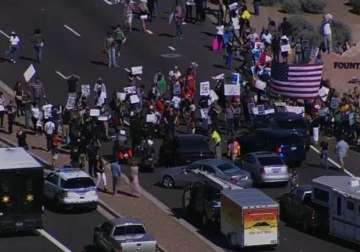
<point>205,88</point>
<point>85,90</point>
<point>213,96</point>
<point>134,99</point>
<point>121,96</point>
<point>296,109</point>
<point>231,90</point>
<point>29,73</point>
<point>71,100</point>
<point>130,90</point>
<point>136,70</point>
<point>95,112</point>
<point>151,118</point>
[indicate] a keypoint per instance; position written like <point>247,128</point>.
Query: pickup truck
<point>297,209</point>
<point>123,235</point>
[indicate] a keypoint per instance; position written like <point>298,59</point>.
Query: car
<point>123,234</point>
<point>182,175</point>
<point>289,145</point>
<point>184,149</point>
<point>265,167</point>
<point>69,188</point>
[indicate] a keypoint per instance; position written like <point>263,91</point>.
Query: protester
<point>178,19</point>
<point>11,115</point>
<point>134,178</point>
<point>21,138</point>
<point>116,174</point>
<point>144,13</point>
<point>100,173</point>
<point>324,154</point>
<point>49,129</point>
<point>2,108</point>
<point>13,47</point>
<point>326,33</point>
<point>38,44</point>
<point>110,47</point>
<point>341,150</point>
<point>129,9</point>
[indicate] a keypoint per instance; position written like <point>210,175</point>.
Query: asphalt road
<point>68,53</point>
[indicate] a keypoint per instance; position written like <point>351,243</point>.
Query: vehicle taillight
<point>29,197</point>
<point>5,199</point>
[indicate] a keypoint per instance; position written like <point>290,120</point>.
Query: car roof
<point>125,221</point>
<point>287,116</point>
<point>264,154</point>
<point>212,161</point>
<point>277,132</point>
<point>70,173</point>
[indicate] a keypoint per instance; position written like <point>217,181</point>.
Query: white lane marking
<point>332,161</point>
<point>4,33</point>
<point>150,32</point>
<point>172,48</point>
<point>72,30</point>
<point>127,70</point>
<point>53,240</point>
<point>61,75</point>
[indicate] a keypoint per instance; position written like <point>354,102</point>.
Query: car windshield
<point>270,161</point>
<point>292,124</point>
<point>129,230</point>
<point>74,183</point>
<point>193,144</point>
<point>226,167</point>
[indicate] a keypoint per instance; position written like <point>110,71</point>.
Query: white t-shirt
<point>49,128</point>
<point>35,112</point>
<point>327,29</point>
<point>267,38</point>
<point>14,40</point>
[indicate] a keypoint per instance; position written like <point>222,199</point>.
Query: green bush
<point>268,2</point>
<point>291,6</point>
<point>313,6</point>
<point>303,29</point>
<point>356,6</point>
<point>340,32</point>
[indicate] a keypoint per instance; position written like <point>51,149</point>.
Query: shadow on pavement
<point>166,35</point>
<point>98,62</point>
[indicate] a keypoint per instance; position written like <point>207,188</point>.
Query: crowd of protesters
<point>134,117</point>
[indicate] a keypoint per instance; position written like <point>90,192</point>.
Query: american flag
<point>297,81</point>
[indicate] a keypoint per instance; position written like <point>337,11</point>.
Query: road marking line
<point>53,240</point>
<point>172,48</point>
<point>150,32</point>
<point>108,2</point>
<point>127,70</point>
<point>61,75</point>
<point>5,34</point>
<point>72,30</point>
<point>332,161</point>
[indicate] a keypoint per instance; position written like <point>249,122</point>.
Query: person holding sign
<point>144,12</point>
<point>285,48</point>
<point>179,19</point>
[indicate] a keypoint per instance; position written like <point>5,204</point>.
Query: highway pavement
<point>74,33</point>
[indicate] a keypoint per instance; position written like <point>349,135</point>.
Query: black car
<point>289,145</point>
<point>184,149</point>
<point>286,122</point>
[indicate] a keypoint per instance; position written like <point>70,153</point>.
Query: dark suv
<point>289,145</point>
<point>184,149</point>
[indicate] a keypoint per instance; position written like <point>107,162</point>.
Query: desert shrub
<point>269,2</point>
<point>356,6</point>
<point>313,6</point>
<point>303,29</point>
<point>340,32</point>
<point>291,6</point>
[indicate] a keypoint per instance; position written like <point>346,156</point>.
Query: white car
<point>70,187</point>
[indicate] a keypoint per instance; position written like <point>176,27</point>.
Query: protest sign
<point>137,70</point>
<point>213,96</point>
<point>103,118</point>
<point>285,48</point>
<point>151,118</point>
<point>85,90</point>
<point>218,77</point>
<point>134,99</point>
<point>233,6</point>
<point>176,101</point>
<point>29,73</point>
<point>205,88</point>
<point>259,84</point>
<point>121,96</point>
<point>94,112</point>
<point>47,110</point>
<point>235,78</point>
<point>130,90</point>
<point>71,100</point>
<point>204,113</point>
<point>220,30</point>
<point>280,104</point>
<point>231,90</point>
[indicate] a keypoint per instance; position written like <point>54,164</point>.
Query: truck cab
<point>21,193</point>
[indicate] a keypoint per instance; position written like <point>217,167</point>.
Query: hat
<point>13,33</point>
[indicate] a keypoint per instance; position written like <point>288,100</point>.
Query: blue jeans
<point>39,53</point>
<point>111,52</point>
<point>327,42</point>
<point>12,53</point>
<point>178,30</point>
<point>228,60</point>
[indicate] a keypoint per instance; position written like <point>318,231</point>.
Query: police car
<point>70,187</point>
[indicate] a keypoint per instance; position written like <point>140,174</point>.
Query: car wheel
<point>168,182</point>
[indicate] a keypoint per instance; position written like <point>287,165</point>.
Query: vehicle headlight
<point>5,199</point>
<point>29,197</point>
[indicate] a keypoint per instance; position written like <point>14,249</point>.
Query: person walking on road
<point>216,138</point>
<point>19,94</point>
<point>129,8</point>
<point>134,178</point>
<point>100,173</point>
<point>120,39</point>
<point>38,43</point>
<point>110,47</point>
<point>341,150</point>
<point>14,41</point>
<point>49,129</point>
<point>256,4</point>
<point>178,19</point>
<point>37,91</point>
<point>11,115</point>
<point>144,13</point>
<point>324,154</point>
<point>116,174</point>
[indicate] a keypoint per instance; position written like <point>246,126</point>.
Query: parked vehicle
<point>125,235</point>
<point>246,217</point>
<point>181,175</point>
<point>290,146</point>
<point>265,167</point>
<point>21,185</point>
<point>71,187</point>
<point>184,149</point>
<point>297,209</point>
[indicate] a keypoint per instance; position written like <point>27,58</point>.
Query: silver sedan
<point>181,175</point>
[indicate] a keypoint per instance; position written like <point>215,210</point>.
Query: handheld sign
<point>71,100</point>
<point>134,99</point>
<point>136,70</point>
<point>121,96</point>
<point>231,90</point>
<point>130,90</point>
<point>95,112</point>
<point>29,73</point>
<point>205,88</point>
<point>85,90</point>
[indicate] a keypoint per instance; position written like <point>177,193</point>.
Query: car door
<point>51,185</point>
<point>249,163</point>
